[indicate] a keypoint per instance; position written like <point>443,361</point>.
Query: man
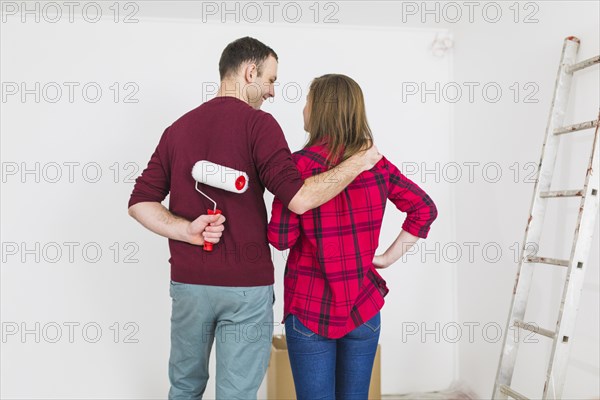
<point>226,296</point>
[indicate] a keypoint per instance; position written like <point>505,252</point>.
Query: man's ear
<point>250,72</point>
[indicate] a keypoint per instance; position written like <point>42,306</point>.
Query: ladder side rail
<point>536,216</point>
<point>565,325</point>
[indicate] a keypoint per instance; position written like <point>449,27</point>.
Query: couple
<point>329,204</point>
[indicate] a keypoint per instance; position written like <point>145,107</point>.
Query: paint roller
<point>221,177</point>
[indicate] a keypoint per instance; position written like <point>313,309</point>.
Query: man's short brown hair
<point>242,50</point>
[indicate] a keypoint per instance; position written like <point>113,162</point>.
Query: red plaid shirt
<point>330,282</point>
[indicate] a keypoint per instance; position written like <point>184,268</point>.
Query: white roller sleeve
<point>219,176</point>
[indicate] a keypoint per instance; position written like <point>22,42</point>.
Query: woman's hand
<point>381,262</point>
<point>404,242</point>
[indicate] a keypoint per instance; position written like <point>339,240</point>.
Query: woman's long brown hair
<point>338,117</point>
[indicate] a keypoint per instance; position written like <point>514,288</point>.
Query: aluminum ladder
<point>576,265</point>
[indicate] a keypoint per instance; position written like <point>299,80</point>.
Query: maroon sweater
<point>225,131</point>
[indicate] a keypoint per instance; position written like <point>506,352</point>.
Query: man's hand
<point>205,228</point>
<point>159,220</point>
<point>370,157</point>
<point>381,262</point>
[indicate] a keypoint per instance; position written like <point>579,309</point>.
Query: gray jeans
<point>239,320</point>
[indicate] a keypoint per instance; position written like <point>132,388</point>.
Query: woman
<point>333,293</point>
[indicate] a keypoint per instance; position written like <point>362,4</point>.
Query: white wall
<point>170,62</point>
<point>509,132</point>
<point>486,213</point>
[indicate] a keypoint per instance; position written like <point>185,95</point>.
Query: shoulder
<point>190,116</point>
<point>263,126</point>
<point>231,107</point>
<point>385,165</point>
<point>311,160</point>
<point>316,154</point>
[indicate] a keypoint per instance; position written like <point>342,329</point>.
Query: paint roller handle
<point>208,246</point>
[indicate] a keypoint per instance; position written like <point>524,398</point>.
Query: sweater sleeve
<point>411,199</point>
<point>273,160</point>
<point>154,182</point>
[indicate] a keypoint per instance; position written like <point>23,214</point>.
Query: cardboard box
<point>280,382</point>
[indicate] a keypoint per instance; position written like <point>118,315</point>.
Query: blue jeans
<point>332,369</point>
<point>239,320</point>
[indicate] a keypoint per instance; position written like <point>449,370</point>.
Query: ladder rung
<point>576,127</point>
<point>583,64</point>
<point>535,329</point>
<point>562,193</point>
<point>510,392</point>
<point>547,260</point>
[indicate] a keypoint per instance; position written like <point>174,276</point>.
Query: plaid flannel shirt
<point>330,282</point>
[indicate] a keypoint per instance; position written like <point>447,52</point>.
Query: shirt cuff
<point>415,229</point>
<point>287,194</point>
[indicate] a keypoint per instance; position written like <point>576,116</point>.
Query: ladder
<point>576,264</point>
